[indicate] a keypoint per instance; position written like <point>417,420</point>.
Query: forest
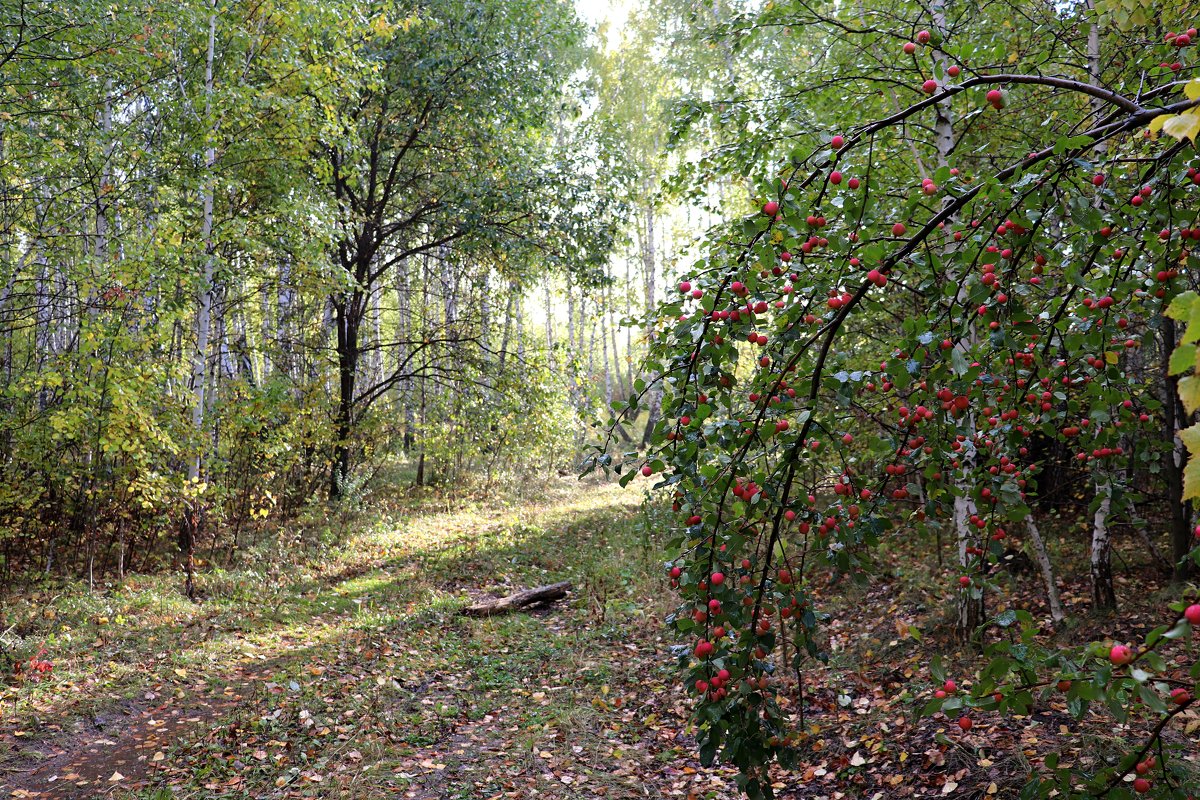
<point>704,399</point>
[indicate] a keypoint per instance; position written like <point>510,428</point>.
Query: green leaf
<point>1181,306</point>
<point>1005,618</point>
<point>958,362</point>
<point>1183,359</point>
<point>1151,698</point>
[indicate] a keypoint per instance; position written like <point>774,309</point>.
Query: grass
<point>341,667</point>
<point>358,647</point>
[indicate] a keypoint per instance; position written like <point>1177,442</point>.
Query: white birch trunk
<point>204,311</point>
<point>1057,614</point>
<point>508,323</point>
<point>649,263</point>
<point>1103,593</point>
<point>549,321</point>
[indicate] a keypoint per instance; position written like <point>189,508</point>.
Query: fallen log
<point>519,600</point>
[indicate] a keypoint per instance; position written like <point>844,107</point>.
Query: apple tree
<point>917,308</point>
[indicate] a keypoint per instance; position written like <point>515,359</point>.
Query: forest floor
<point>347,672</point>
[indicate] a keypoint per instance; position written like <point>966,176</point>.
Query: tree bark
<point>970,609</point>
<point>346,319</point>
<point>199,378</point>
<point>1173,460</point>
<point>1104,596</point>
<point>1043,559</point>
<point>518,600</point>
<point>654,396</point>
<point>506,334</point>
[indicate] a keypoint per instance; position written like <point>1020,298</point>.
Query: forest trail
<point>361,680</point>
<point>355,676</point>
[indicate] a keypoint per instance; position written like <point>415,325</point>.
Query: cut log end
<point>518,600</point>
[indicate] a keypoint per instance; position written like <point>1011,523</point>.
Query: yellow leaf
<point>1191,439</point>
<point>1189,393</point>
<point>1183,126</point>
<point>182,673</point>
<point>1157,123</point>
<point>1192,89</point>
<point>1191,479</point>
<point>1110,356</point>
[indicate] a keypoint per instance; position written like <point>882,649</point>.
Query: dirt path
<point>201,680</point>
<point>124,746</point>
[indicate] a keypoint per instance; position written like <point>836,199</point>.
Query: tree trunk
<point>654,396</point>
<point>970,608</point>
<point>1043,559</point>
<point>199,378</point>
<point>629,328</point>
<point>1173,460</point>
<point>943,125</point>
<point>345,311</point>
<point>285,304</point>
<point>549,320</point>
<point>508,322</point>
<point>404,326</point>
<point>518,600</point>
<point>612,332</point>
<point>1104,595</point>
<point>519,329</point>
<point>376,336</point>
<point>608,375</point>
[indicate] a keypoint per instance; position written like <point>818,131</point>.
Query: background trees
<point>250,252</point>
